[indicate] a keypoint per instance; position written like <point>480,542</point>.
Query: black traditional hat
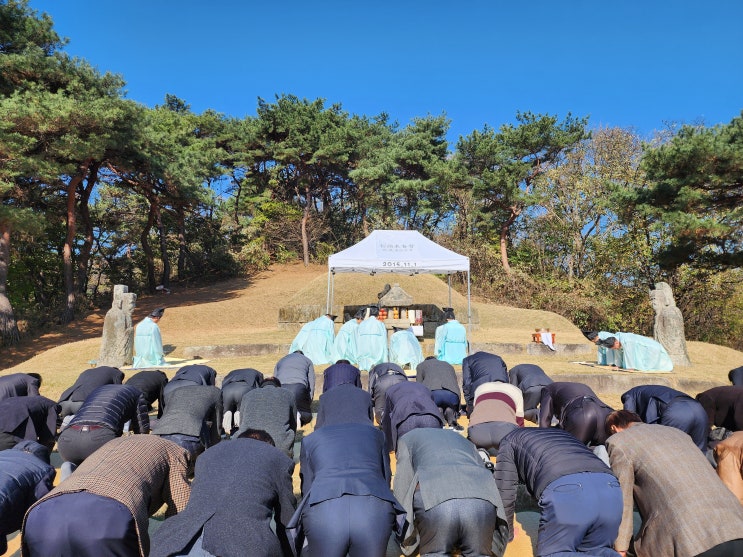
<point>331,316</point>
<point>590,335</point>
<point>359,314</point>
<point>608,342</point>
<point>448,313</point>
<point>157,312</point>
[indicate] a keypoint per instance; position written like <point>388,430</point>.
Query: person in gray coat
<point>192,418</point>
<point>271,409</point>
<point>297,374</point>
<point>441,379</point>
<point>238,486</point>
<point>449,496</point>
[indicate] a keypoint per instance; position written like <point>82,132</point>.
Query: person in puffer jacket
<point>579,496</point>
<point>100,419</point>
<point>24,478</point>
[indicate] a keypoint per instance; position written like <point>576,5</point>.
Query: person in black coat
<point>530,379</point>
<point>736,376</point>
<point>441,379</point>
<point>100,419</point>
<point>235,384</point>
<point>24,479</point>
<point>408,405</point>
<point>579,496</point>
<point>19,384</point>
<point>724,406</point>
<point>340,373</point>
<point>192,418</point>
<point>344,404</point>
<point>478,368</point>
<point>89,380</point>
<point>238,486</point>
<point>28,417</point>
<point>658,404</point>
<point>578,410</point>
<point>151,383</point>
<point>347,506</point>
<point>193,374</point>
<point>382,377</point>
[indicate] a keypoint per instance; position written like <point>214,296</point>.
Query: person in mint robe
<point>344,346</point>
<point>405,348</point>
<point>605,356</point>
<point>315,340</point>
<point>148,343</point>
<point>371,341</point>
<point>450,344</point>
<point>638,352</point>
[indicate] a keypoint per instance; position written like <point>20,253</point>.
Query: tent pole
<point>327,299</point>
<point>449,279</point>
<point>469,313</point>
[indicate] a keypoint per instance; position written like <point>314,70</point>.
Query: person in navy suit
<point>478,368</point>
<point>658,404</point>
<point>347,506</point>
<point>408,405</point>
<point>339,373</point>
<point>344,404</point>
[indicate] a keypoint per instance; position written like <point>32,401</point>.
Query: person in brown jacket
<point>686,510</point>
<point>729,458</point>
<point>104,507</point>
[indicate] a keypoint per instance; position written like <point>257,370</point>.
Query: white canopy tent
<point>405,252</point>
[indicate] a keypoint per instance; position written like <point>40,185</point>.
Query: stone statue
<point>669,324</point>
<point>395,296</point>
<point>117,346</point>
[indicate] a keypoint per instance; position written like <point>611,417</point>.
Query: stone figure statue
<point>669,324</point>
<point>117,346</point>
<point>395,296</point>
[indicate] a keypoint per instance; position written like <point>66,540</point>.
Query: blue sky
<point>637,64</point>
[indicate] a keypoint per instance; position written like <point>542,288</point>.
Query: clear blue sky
<point>632,63</point>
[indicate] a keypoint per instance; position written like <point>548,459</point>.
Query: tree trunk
<point>8,327</point>
<point>305,218</point>
<point>182,248</point>
<point>515,212</point>
<point>85,250</point>
<point>68,314</point>
<point>165,280</point>
<point>147,249</point>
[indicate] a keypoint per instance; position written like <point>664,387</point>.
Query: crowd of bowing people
<point>221,460</point>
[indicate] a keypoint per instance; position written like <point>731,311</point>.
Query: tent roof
<point>397,251</point>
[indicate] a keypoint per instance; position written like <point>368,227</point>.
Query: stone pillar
<point>669,324</point>
<point>117,344</point>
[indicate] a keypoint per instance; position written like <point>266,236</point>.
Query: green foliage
<point>696,194</point>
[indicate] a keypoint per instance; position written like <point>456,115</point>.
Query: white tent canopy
<point>398,251</point>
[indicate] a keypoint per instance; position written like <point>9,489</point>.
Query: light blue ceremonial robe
<point>607,356</point>
<point>450,343</point>
<point>344,346</point>
<point>315,340</point>
<point>405,349</point>
<point>371,343</point>
<point>148,345</point>
<point>642,353</point>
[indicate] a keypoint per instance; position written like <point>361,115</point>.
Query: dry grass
<point>245,311</point>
